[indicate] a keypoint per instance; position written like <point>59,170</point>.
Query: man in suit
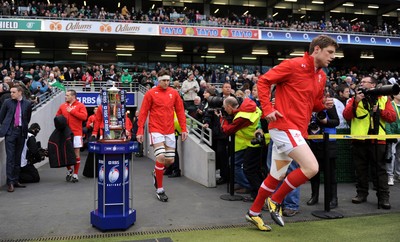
<point>15,115</point>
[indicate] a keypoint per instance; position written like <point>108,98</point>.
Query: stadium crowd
<point>188,16</point>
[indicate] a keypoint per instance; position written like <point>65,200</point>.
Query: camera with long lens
<point>215,103</point>
<point>385,90</point>
<point>258,140</point>
<point>314,126</point>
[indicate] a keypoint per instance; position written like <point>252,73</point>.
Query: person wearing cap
<point>159,104</point>
<point>190,87</point>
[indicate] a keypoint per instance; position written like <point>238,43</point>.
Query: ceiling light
<point>302,16</point>
<point>335,11</point>
<point>31,52</point>
<point>168,56</point>
<point>84,3</point>
<point>208,56</point>
<point>173,49</point>
<point>220,3</point>
<point>259,50</point>
<point>24,45</point>
<point>248,5</point>
<point>125,47</point>
<point>386,15</point>
<point>78,46</point>
<point>297,53</point>
<point>365,55</point>
<point>348,4</point>
<point>281,59</point>
<point>305,9</point>
<point>275,14</point>
<point>317,2</point>
<point>78,53</point>
<point>280,7</point>
<point>216,11</point>
<point>123,54</point>
<point>359,13</point>
<point>249,58</point>
<point>354,19</point>
<point>292,1</point>
<point>246,12</point>
<point>339,54</point>
<point>216,50</point>
<point>373,6</point>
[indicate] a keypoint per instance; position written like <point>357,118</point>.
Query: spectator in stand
<point>95,12</point>
<point>126,78</point>
<point>189,89</point>
<point>4,73</point>
<point>10,64</point>
<point>4,92</point>
<point>39,86</point>
<point>349,81</point>
<point>88,79</point>
<point>20,74</point>
<point>102,13</point>
<point>78,74</point>
<point>70,75</point>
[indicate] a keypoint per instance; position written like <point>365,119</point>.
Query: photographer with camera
<point>31,154</point>
<point>246,117</point>
<point>324,122</point>
<point>369,111</point>
<point>220,140</point>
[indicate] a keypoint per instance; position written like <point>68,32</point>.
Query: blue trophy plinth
<point>113,211</point>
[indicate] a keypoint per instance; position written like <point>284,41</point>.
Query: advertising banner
<point>374,40</point>
<point>20,24</point>
<point>295,36</point>
<point>208,32</point>
<point>93,27</point>
<point>92,99</point>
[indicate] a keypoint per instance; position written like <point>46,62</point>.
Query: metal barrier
<point>45,97</point>
<point>196,128</point>
<point>97,85</point>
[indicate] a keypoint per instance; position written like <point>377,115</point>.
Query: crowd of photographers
<point>187,16</point>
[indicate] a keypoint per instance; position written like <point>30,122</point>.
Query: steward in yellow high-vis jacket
<point>369,115</point>
<point>246,117</point>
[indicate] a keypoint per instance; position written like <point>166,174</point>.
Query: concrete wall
<point>44,116</point>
